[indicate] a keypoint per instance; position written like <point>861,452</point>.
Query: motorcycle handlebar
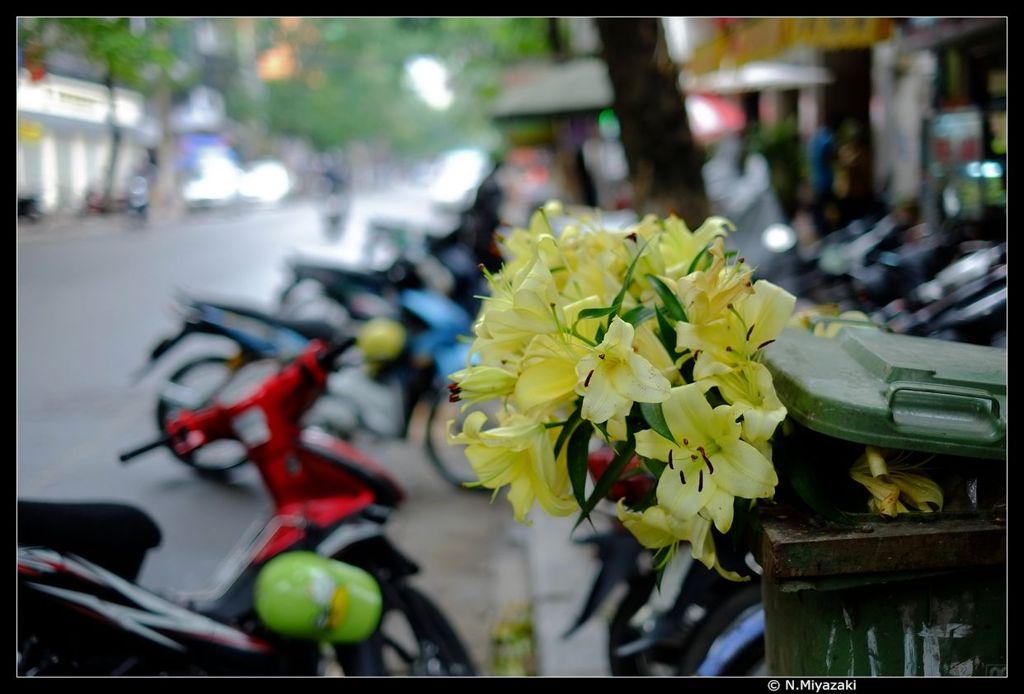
<point>327,358</point>
<point>134,453</point>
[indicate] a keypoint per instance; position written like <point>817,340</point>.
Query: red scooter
<point>81,612</point>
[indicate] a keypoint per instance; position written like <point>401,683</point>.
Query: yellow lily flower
<point>519,453</point>
<point>479,383</point>
<point>656,528</point>
<point>613,376</point>
<point>679,246</point>
<point>650,348</point>
<point>752,323</point>
<point>595,262</point>
<point>521,245</point>
<point>522,309</point>
<point>547,374</point>
<point>750,388</point>
<point>707,294</point>
<point>708,463</point>
<point>893,486</point>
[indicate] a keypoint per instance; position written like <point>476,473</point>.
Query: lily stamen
<point>586,383</point>
<point>711,468</point>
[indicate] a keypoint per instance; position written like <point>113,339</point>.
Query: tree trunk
<point>115,145</point>
<point>555,42</point>
<point>664,160</point>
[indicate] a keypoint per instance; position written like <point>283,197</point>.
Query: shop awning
<point>582,86</point>
<point>758,76</point>
<point>575,86</point>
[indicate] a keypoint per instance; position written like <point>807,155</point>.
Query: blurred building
<point>963,134</point>
<point>64,137</point>
<point>924,87</point>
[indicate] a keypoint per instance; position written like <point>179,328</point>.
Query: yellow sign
<point>759,39</point>
<point>763,39</point>
<point>30,131</point>
<point>834,33</point>
<point>707,56</point>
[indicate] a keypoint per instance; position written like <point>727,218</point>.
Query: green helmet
<point>381,339</point>
<point>307,596</point>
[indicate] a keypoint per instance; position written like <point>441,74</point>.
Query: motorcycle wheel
<point>196,384</point>
<point>748,661</point>
<point>625,628</point>
<point>450,459</point>
<point>414,638</point>
<point>305,300</point>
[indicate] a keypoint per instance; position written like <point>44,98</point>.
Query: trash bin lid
<point>894,391</point>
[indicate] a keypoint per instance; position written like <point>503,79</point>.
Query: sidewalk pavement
<point>560,576</point>
<point>62,226</point>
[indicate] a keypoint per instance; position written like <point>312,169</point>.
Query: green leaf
<point>567,429</point>
<point>595,313</point>
<point>576,457</point>
<point>656,467</point>
<point>638,315</point>
<point>673,309</point>
<point>610,476</point>
<point>617,303</point>
<point>666,333</point>
<point>699,256</point>
<point>661,560</point>
<point>656,419</point>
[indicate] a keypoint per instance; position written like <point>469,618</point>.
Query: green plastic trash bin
<point>858,594</point>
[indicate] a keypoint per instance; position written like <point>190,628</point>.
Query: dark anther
<point>586,383</point>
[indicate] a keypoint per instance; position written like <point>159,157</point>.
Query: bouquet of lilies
<point>648,338</point>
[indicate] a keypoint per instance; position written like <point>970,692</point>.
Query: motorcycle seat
<point>310,329</point>
<point>115,536</point>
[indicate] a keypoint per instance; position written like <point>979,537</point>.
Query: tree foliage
<point>350,81</point>
<point>125,56</point>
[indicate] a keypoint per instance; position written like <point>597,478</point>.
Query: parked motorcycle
<point>677,627</point>
<point>408,358</point>
<point>81,612</point>
<point>29,208</point>
<point>137,198</point>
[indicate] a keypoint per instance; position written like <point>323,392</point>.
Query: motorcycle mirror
<point>778,238</point>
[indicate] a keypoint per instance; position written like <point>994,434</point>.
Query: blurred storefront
<point>930,90</point>
<point>964,134</point>
<point>64,137</point>
<point>567,107</point>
